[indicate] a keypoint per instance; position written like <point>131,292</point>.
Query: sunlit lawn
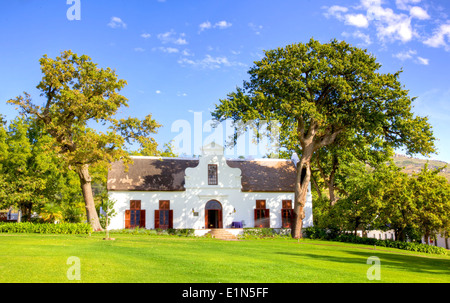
<point>144,258</point>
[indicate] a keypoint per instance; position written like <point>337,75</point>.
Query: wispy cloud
<point>170,50</point>
<point>222,24</point>
<point>390,25</point>
<point>146,35</point>
<point>440,37</point>
<point>139,49</point>
<point>411,55</point>
<point>116,22</point>
<point>423,61</point>
<point>172,37</point>
<point>204,26</point>
<point>365,38</point>
<point>209,62</point>
<point>208,25</point>
<point>256,28</point>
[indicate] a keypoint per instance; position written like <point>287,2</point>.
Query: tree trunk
<point>91,213</point>
<point>331,188</point>
<point>301,190</point>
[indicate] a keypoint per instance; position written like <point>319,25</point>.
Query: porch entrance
<point>213,214</point>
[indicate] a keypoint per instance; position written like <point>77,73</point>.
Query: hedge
<point>182,232</point>
<point>45,228</point>
<point>264,233</point>
<point>316,233</point>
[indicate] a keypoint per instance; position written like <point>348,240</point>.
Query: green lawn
<point>144,258</point>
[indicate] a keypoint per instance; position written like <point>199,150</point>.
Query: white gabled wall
<point>236,205</point>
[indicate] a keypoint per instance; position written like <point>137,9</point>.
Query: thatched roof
<point>167,174</point>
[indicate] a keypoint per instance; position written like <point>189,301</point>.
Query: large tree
<point>77,95</point>
<point>316,92</point>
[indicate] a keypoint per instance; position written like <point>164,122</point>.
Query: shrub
<point>45,228</point>
<point>263,233</point>
<point>411,246</point>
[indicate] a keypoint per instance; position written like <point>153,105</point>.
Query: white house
<point>204,193</point>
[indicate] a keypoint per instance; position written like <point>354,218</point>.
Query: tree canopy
<point>317,92</point>
<point>78,94</point>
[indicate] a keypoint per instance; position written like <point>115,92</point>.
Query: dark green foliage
<point>46,228</point>
<point>182,232</point>
<point>318,233</point>
<point>265,233</point>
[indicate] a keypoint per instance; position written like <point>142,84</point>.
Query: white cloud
<point>209,62</point>
<point>169,50</point>
<point>405,55</point>
<point>389,25</point>
<point>419,13</point>
<point>411,54</point>
<point>116,22</point>
<point>205,25</point>
<point>139,49</point>
<point>256,28</point>
<point>423,61</point>
<point>336,11</point>
<point>358,20</point>
<point>222,24</point>
<point>404,4</point>
<point>145,35</point>
<point>158,92</point>
<point>359,35</point>
<point>171,37</point>
<point>186,52</point>
<point>439,37</point>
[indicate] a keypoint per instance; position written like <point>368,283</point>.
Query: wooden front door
<point>213,214</point>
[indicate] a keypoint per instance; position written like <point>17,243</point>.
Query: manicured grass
<point>143,258</point>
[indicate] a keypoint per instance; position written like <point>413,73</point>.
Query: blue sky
<point>180,57</point>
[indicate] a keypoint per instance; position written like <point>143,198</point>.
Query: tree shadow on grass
<point>406,263</point>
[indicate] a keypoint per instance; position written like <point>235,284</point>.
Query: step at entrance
<point>222,234</point>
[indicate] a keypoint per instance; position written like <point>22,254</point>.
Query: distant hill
<point>411,165</point>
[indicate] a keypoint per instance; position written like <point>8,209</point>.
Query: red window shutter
<point>156,218</point>
<point>171,218</point>
<point>267,218</point>
<point>127,218</point>
<point>142,219</point>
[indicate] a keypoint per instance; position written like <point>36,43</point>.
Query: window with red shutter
<point>262,214</point>
<point>164,215</point>
<point>286,214</point>
<point>133,216</point>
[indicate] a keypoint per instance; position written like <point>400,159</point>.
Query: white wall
<point>182,204</point>
<point>236,205</point>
